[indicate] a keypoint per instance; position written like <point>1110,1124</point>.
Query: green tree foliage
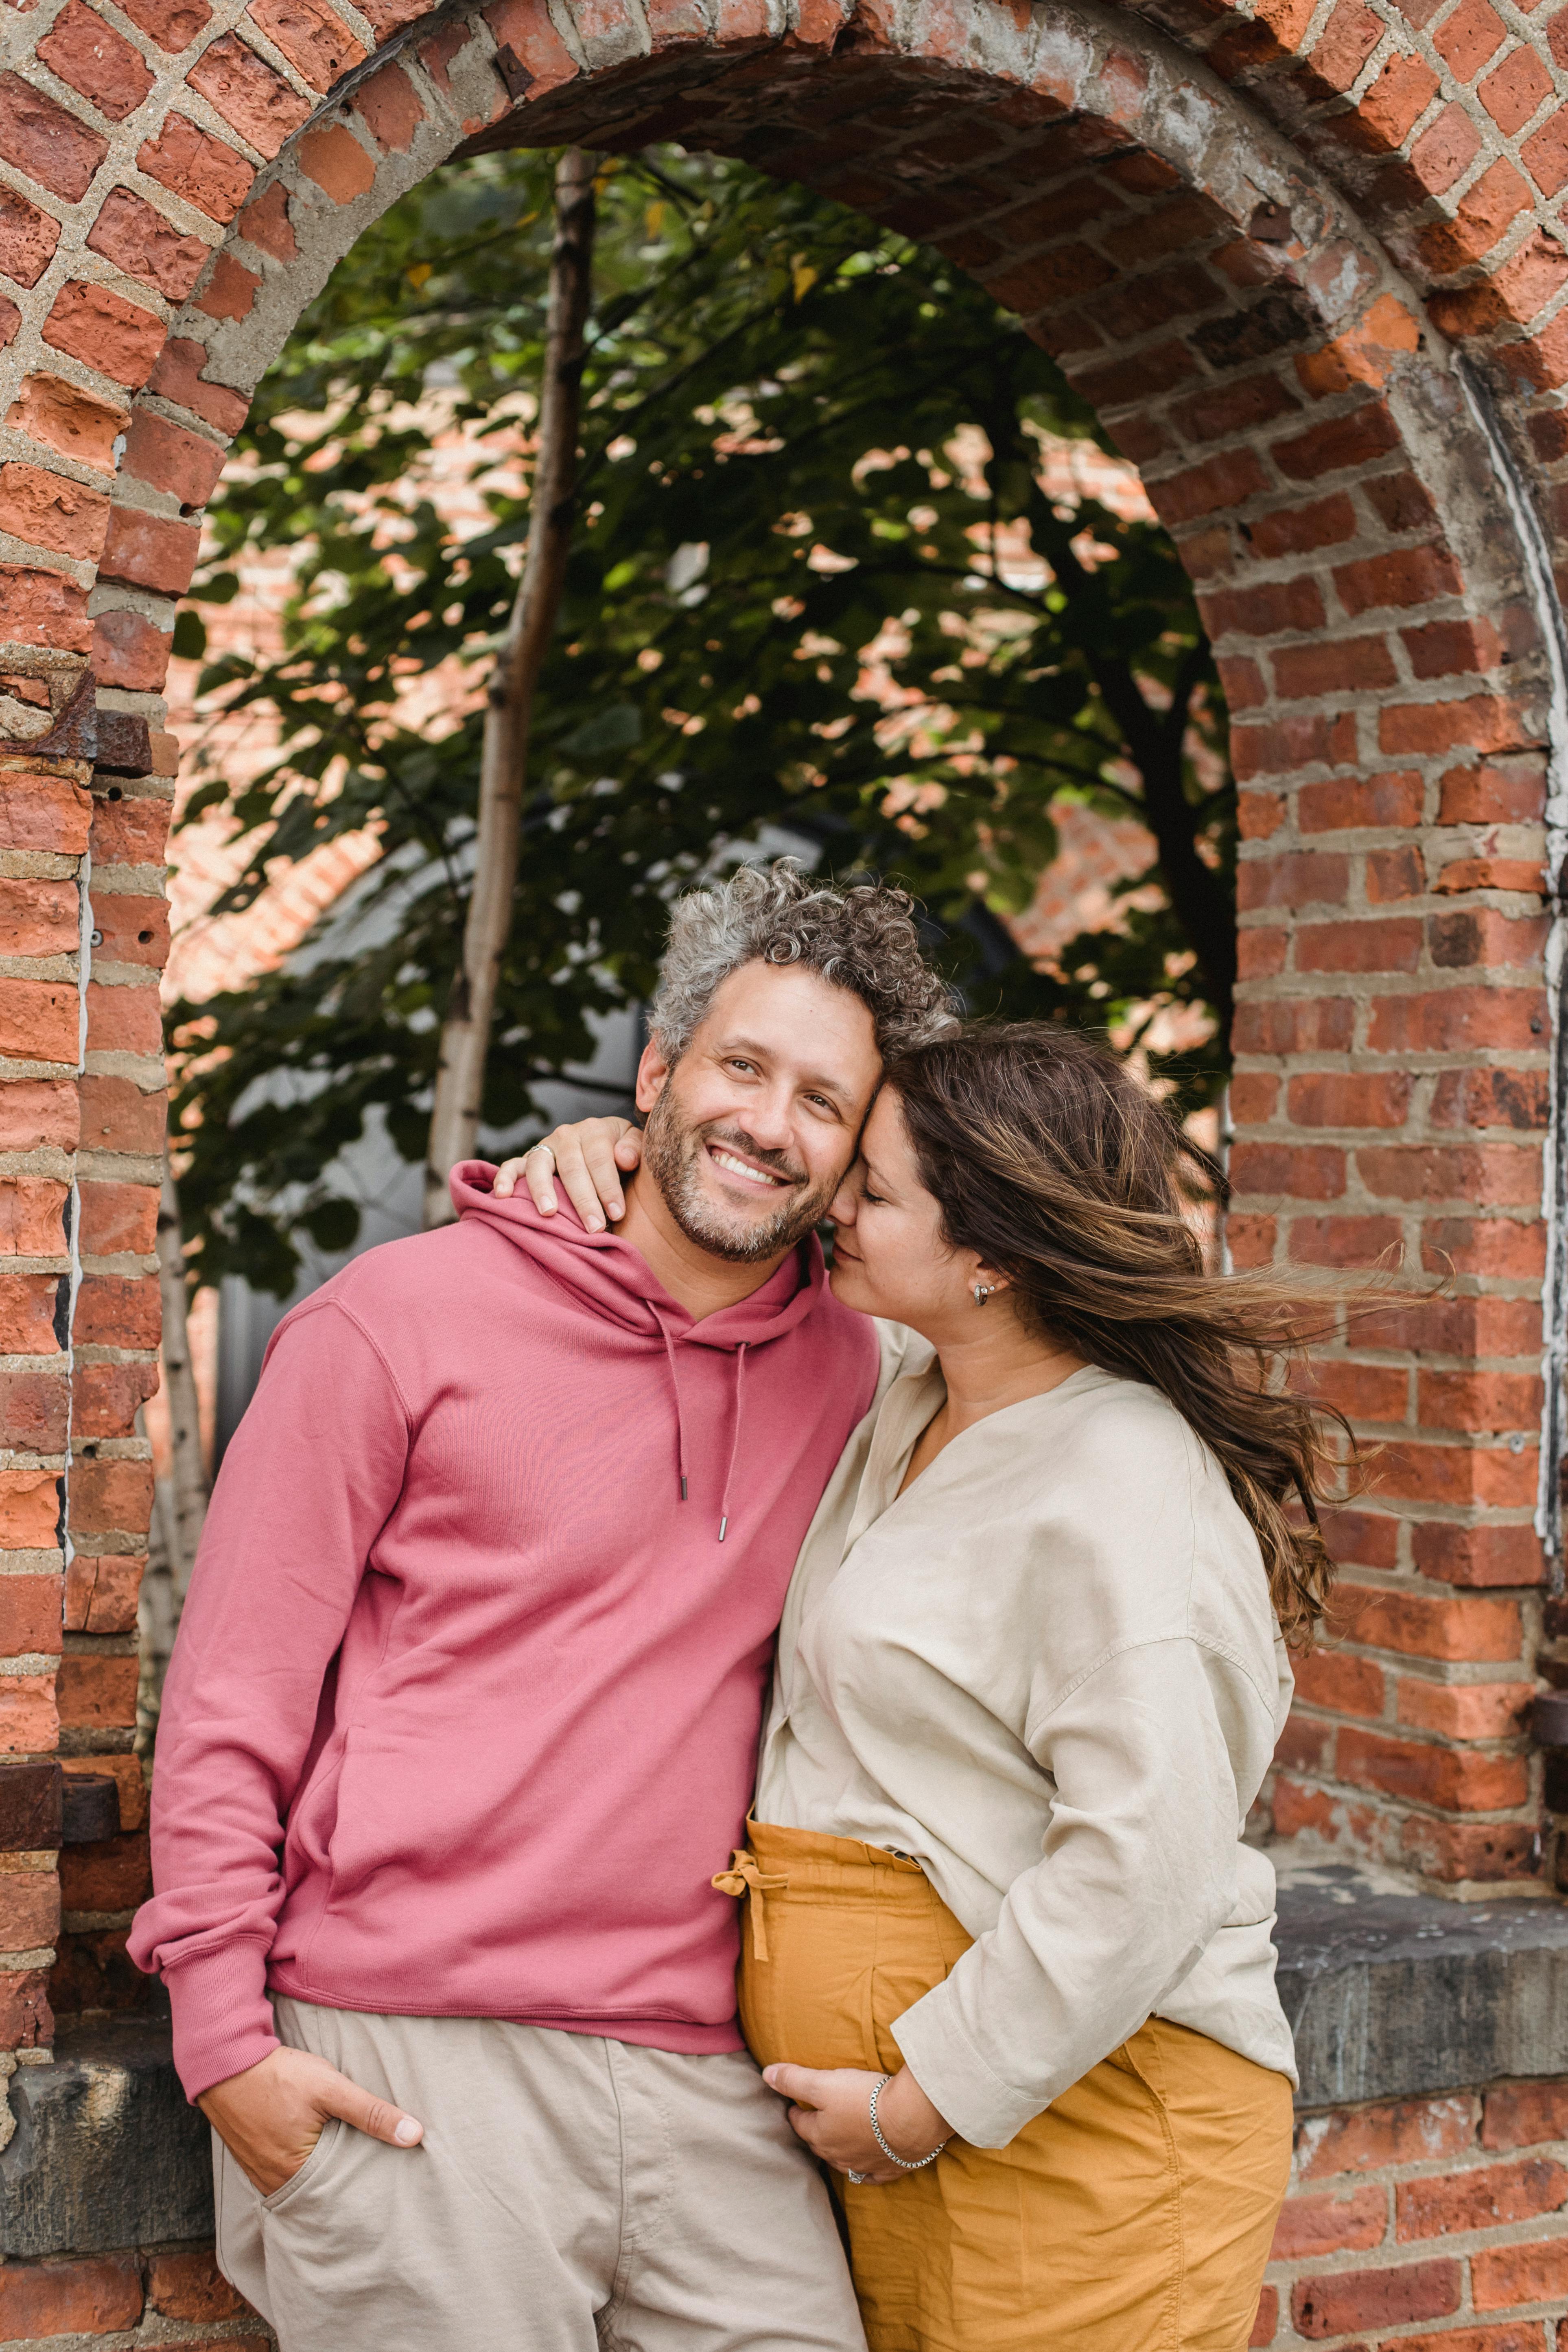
<point>806,438</point>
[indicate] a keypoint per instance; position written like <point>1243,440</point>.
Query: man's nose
<point>768,1119</point>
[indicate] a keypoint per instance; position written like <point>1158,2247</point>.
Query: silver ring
<point>861,2179</point>
<point>544,1147</point>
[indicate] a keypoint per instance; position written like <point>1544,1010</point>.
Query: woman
<point>1008,1957</point>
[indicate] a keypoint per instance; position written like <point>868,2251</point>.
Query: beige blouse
<point>1051,1673</point>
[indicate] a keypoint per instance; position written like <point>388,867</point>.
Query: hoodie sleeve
<point>309,1481</point>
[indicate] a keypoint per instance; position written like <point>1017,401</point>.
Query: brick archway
<point>1304,263</point>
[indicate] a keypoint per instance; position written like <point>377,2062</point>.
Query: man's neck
<point>703,1283</point>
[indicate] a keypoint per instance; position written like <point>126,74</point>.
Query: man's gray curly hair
<point>862,939</point>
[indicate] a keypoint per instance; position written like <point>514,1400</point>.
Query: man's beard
<point>671,1154</point>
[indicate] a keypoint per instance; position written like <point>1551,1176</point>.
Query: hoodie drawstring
<point>734,1441</point>
<point>675,1384</point>
<point>669,1339</point>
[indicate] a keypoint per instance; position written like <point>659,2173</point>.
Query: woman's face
<point>889,1254</point>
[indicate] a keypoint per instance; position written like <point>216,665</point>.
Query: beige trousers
<point>570,2192</point>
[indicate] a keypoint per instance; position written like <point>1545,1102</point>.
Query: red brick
<point>314,39</point>
<point>1327,1678</point>
<point>29,1909</point>
<point>1306,1747</point>
<point>173,24</point>
<point>1486,936</point>
<point>98,326</point>
<point>169,459</point>
<point>85,2297</point>
<point>1512,1248</point>
<point>64,417</point>
<point>1524,875</point>
<point>1298,878</point>
<point>1484,1404</point>
<point>1287,743</point>
<point>1401,576</point>
<point>130,651</point>
<point>1321,1025</point>
<point>1343,46</point>
<point>34,1112</point>
<point>1263,612</point>
<point>1260,954</point>
<point>1470,38</point>
<point>390,107</point>
<point>1516,89</point>
<point>1508,791</point>
<point>1351,2223</point>
<point>30,1619</point>
<point>178,377</point>
<point>1364,2139</point>
<point>1523,2115</point>
<point>1330,667</point>
<point>96,1691</point>
<point>83,51</point>
<point>1502,2275</point>
<point>1351,440</point>
<point>1265,2325</point>
<point>1450,648</point>
<point>149,551</point>
<point>1366,1538</point>
<point>28,238</point>
<point>1428,1773</point>
<point>1421,1625</point>
<point>39,1021</point>
<point>1445,150</point>
<point>191,2286</point>
<point>131,831</point>
<point>1484,1852</point>
<point>1394,874</point>
<point>118,1116</point>
<point>1545,154</point>
<point>1458,1018</point>
<point>258,103</point>
<point>32,1414</point>
<point>40,608</point>
<point>44,141</point>
<point>114,1311</point>
<point>107,1396</point>
<point>122,1020</point>
<point>1297,531</point>
<point>119,1217</point>
<point>1049,279</point>
<point>1390,945</point>
<point>1334,1098</point>
<point>1298,1172</point>
<point>51,510</point>
<point>29,1499</point>
<point>31,1208</point>
<point>101,1593</point>
<point>1223,481</point>
<point>135,236</point>
<point>1252,1098</point>
<point>1483,723</point>
<point>1478,1556</point>
<point>1353,2299</point>
<point>265,221</point>
<point>1466,1710</point>
<point>134,930</point>
<point>1485,213</point>
<point>1343,1240</point>
<point>230,292</point>
<point>43,812</point>
<point>26,2022</point>
<point>1494,1175</point>
<point>192,164</point>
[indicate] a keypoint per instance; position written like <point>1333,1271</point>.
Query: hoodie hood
<point>613,1282</point>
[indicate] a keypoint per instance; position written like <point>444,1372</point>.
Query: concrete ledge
<point>1390,1995</point>
<point>107,2152</point>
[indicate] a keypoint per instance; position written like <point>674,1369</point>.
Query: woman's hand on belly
<point>830,2107</point>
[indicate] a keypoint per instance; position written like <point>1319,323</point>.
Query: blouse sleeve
<point>1138,1872</point>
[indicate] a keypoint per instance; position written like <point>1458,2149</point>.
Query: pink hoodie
<point>471,1641</point>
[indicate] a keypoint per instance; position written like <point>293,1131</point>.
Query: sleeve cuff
<point>981,2107</point>
<point>222,2018</point>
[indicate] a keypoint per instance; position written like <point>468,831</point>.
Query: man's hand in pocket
<point>270,2117</point>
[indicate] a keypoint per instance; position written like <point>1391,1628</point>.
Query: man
<point>463,1713</point>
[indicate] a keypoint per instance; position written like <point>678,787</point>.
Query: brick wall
<point>1426,2222</point>
<point>1306,259</point>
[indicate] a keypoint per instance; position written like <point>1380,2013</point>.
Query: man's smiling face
<point>750,1133</point>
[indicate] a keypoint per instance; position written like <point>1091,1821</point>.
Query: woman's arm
<point>588,1158</point>
<point>1138,1873</point>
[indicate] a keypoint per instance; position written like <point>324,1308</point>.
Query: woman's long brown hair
<point>1049,1159</point>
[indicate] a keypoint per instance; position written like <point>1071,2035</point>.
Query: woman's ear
<point>985,1282</point>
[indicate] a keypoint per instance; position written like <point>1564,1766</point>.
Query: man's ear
<point>652,1072</point>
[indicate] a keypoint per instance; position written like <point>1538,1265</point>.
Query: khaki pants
<point>569,2192</point>
<point>1134,2215</point>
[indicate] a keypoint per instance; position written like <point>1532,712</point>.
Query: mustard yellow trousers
<point>1134,2215</point>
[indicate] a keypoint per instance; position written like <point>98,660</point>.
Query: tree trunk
<point>465,1032</point>
<point>187,1499</point>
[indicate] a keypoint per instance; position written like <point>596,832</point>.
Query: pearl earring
<point>983,1291</point>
